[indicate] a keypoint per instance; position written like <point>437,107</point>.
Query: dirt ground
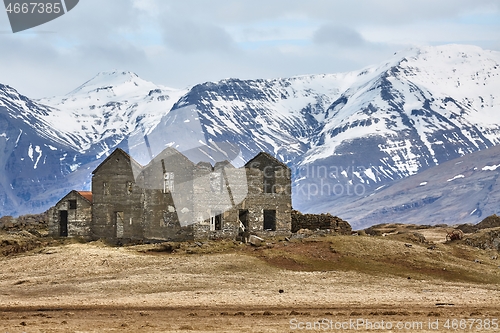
<point>321,284</point>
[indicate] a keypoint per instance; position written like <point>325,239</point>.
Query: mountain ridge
<point>370,127</point>
<point>462,190</point>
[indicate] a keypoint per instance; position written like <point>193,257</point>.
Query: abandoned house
<point>70,220</point>
<point>171,198</point>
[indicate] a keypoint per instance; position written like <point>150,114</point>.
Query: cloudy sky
<point>179,43</point>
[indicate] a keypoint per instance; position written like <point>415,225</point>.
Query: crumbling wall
<point>216,191</point>
<point>276,196</point>
<point>167,207</point>
<point>321,222</point>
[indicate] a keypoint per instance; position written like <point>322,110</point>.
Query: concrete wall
<point>260,199</point>
<point>168,212</point>
<point>117,199</point>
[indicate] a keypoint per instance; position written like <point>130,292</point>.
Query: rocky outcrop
<point>492,221</point>
<point>489,239</point>
<point>468,228</point>
<point>25,222</point>
<point>320,222</point>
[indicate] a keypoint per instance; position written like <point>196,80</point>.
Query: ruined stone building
<point>172,198</point>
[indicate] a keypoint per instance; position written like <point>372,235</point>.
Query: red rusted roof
<point>86,194</point>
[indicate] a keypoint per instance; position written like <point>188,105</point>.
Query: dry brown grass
<point>386,256</point>
<point>231,287</point>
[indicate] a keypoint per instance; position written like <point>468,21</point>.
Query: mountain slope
<point>101,113</point>
<point>418,110</point>
<point>279,116</point>
<point>33,164</point>
<point>429,89</point>
<point>463,190</point>
<point>345,136</point>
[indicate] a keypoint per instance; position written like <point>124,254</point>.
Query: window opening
<point>270,220</point>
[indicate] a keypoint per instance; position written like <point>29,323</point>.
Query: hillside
<point>462,190</point>
<point>225,285</point>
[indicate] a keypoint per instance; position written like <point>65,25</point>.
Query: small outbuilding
<point>72,215</point>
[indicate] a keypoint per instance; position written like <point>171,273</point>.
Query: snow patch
<point>74,167</point>
<point>30,152</point>
<point>369,173</point>
<point>490,167</point>
<point>39,151</point>
<point>456,177</point>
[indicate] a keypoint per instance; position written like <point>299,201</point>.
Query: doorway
<point>243,216</point>
<point>63,223</point>
<point>216,221</point>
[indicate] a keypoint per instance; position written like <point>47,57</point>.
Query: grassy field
<point>225,286</point>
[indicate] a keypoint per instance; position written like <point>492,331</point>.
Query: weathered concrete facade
<point>167,197</point>
<point>268,205</point>
<point>72,216</point>
<point>173,199</point>
<point>117,212</point>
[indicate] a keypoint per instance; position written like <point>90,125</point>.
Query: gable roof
<point>169,152</point>
<point>86,195</point>
<point>114,153</point>
<point>268,156</point>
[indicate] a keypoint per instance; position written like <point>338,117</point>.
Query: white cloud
<point>339,36</point>
<point>181,43</point>
<point>189,36</point>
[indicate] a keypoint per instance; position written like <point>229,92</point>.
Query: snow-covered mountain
<point>47,150</point>
<point>445,98</point>
<point>463,190</point>
<point>33,160</point>
<point>282,116</point>
<point>422,108</point>
<point>101,113</point>
<point>344,135</point>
